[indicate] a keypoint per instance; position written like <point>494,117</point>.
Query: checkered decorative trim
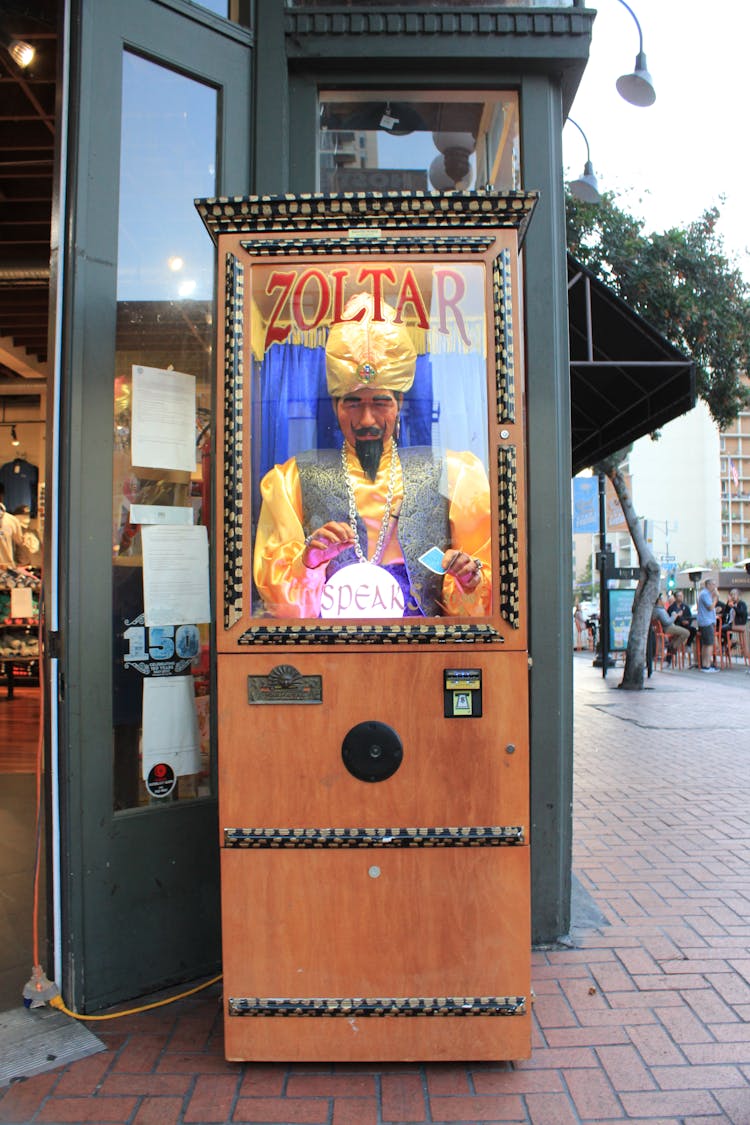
<point>318,838</point>
<point>386,210</point>
<point>234,291</point>
<point>507,481</point>
<point>506,389</point>
<point>370,635</point>
<point>375,242</point>
<point>379,1006</point>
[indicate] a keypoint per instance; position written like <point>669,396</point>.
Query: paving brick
<point>680,1104</point>
<point>550,1109</point>
<point>553,1011</point>
<point>683,1025</point>
<point>559,1057</point>
<point>86,1076</point>
<point>518,1081</point>
<point>159,1111</point>
<point>403,1097</point>
<point>192,1033</point>
<point>355,1111</point>
<point>592,1095</point>
<point>151,1085</point>
<point>98,1110</point>
<point>735,1104</point>
<point>331,1085</point>
<point>212,1098</point>
<point>733,1053</point>
<point>708,1006</point>
<point>655,1046</point>
<point>587,1036</point>
<point>19,1102</point>
<point>732,988</point>
<point>447,1079</point>
<point>480,1108</point>
<point>140,1054</point>
<point>738,1032</point>
<point>625,1068</point>
<point>698,1077</point>
<point>682,982</point>
<point>183,1063</point>
<point>261,1080</point>
<point>283,1111</point>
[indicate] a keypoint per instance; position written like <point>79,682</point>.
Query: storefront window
<point>370,440</point>
<point>418,140</point>
<point>162,427</point>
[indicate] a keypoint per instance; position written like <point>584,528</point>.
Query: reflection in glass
<point>418,141</point>
<point>165,286</point>
<point>370,441</point>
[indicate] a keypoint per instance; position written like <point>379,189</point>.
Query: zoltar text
<point>307,298</point>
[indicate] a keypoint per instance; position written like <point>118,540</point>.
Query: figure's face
<point>367,415</point>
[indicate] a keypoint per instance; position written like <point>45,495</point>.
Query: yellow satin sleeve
<point>289,589</point>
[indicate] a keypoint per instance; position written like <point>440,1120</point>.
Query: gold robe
<point>290,589</point>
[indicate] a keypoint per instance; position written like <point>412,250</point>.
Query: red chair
<point>660,648</point>
<point>737,642</point>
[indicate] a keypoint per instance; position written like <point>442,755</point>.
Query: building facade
<point>160,102</point>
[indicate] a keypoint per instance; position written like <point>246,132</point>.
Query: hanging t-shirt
<point>21,481</point>
<point>11,537</point>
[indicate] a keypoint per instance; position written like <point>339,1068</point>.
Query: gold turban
<point>368,353</point>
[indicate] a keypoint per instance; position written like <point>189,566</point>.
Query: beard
<point>369,454</point>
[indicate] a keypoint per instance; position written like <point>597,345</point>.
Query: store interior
<point>21,548</point>
<point>27,154</point>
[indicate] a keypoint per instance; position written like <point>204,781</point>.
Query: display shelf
<point>19,655</point>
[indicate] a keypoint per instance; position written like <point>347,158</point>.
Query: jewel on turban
<point>367,352</point>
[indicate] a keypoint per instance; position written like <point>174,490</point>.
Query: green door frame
<point>139,890</point>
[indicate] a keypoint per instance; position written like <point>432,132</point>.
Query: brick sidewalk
<point>644,1018</point>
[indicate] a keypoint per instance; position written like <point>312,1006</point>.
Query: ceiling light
<point>20,51</point>
<point>14,436</point>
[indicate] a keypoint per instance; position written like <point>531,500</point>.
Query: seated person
<point>371,502</point>
<point>739,620</point>
<point>680,613</point>
<point>676,633</point>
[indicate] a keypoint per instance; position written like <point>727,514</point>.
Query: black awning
<point>626,380</point>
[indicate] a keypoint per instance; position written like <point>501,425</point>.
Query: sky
<point>669,162</point>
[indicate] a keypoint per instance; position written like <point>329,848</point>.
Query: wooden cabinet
<point>373,772</point>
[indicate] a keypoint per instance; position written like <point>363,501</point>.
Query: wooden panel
<point>281,765</point>
<point>430,924</point>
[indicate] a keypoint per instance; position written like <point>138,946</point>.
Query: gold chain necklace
<point>380,545</point>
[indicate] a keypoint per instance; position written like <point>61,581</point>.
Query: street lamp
<point>638,87</point>
<point>585,187</point>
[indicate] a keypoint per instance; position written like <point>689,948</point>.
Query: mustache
<point>368,431</point>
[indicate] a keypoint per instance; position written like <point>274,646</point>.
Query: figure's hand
<point>465,569</point>
<point>326,543</point>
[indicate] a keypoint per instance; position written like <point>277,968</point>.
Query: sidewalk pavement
<point>643,1015</point>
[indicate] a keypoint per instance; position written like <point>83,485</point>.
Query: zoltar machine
<point>371,626</point>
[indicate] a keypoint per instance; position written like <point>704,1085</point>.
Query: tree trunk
<point>646,592</point>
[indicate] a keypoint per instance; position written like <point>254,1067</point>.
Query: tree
<point>644,598</point>
<point>682,282</point>
<point>684,285</point>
